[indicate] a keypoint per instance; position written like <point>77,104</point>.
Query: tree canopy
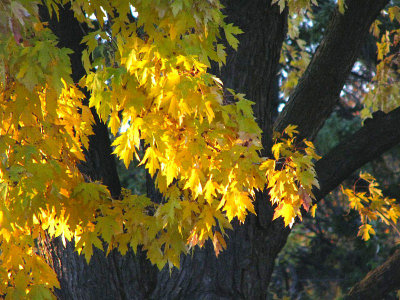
<point>149,70</point>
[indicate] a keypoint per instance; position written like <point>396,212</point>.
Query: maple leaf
<point>194,183</point>
<point>151,159</point>
<point>290,130</point>
<point>276,148</point>
<point>306,200</point>
<point>230,30</point>
<point>218,243</point>
<point>287,212</point>
<point>176,6</point>
<point>221,53</point>
<point>114,123</point>
<point>155,82</point>
<point>193,239</point>
<point>106,226</point>
<point>365,230</point>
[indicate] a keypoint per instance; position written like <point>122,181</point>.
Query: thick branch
<point>377,136</point>
<point>379,282</point>
<point>318,90</point>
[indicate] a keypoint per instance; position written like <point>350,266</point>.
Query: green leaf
<point>230,30</point>
<point>176,7</point>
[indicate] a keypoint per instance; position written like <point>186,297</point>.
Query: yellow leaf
<point>365,230</point>
<point>209,189</point>
<point>151,160</point>
<point>286,211</point>
<point>276,150</point>
<point>171,172</point>
<point>313,210</point>
<point>209,111</point>
<point>194,183</point>
<point>114,123</point>
<point>290,130</point>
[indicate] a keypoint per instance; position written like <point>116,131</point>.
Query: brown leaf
<point>16,30</point>
<point>306,199</point>
<point>219,243</point>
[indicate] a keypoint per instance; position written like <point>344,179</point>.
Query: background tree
<point>244,269</point>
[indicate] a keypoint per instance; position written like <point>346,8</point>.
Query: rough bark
<point>376,137</point>
<point>243,271</point>
<point>114,276</point>
<point>245,268</point>
<point>100,163</point>
<point>379,282</point>
<point>253,68</point>
<point>318,90</point>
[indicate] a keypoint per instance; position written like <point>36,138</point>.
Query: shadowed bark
<point>244,270</point>
<point>379,282</point>
<point>253,68</point>
<point>100,163</point>
<point>114,276</point>
<point>318,89</point>
<point>377,136</point>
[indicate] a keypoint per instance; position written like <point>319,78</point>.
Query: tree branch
<point>318,89</point>
<point>378,282</point>
<point>376,136</point>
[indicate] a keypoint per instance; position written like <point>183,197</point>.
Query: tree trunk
<point>115,276</point>
<point>244,270</point>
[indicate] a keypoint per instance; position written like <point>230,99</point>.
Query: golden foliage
<point>202,152</point>
<point>372,205</point>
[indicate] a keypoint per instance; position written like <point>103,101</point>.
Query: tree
<point>209,161</point>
